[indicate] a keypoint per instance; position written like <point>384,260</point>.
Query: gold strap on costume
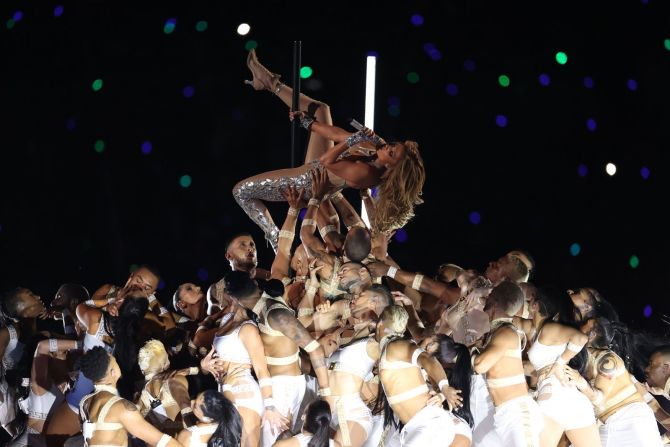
<point>284,234</point>
<point>286,281</point>
<point>407,395</point>
<point>619,397</point>
<point>292,212</point>
<point>312,346</point>
<point>359,224</point>
<point>416,284</point>
<point>506,381</point>
<point>342,420</point>
<point>278,361</point>
<point>308,223</point>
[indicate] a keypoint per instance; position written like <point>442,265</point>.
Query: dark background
<point>70,214</point>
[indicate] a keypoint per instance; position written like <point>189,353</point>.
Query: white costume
<point>240,382</point>
<point>566,405</point>
<point>633,425</point>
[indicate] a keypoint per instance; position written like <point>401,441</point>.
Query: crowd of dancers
<point>335,343</point>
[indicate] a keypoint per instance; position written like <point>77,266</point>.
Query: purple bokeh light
<point>417,20</point>
<point>588,82</point>
<point>582,170</point>
<point>591,124</point>
<point>452,89</point>
<point>544,79</point>
<point>401,236</point>
<point>644,172</point>
<point>501,121</point>
<point>146,147</point>
<point>475,218</point>
<point>58,11</point>
<point>188,91</point>
<point>631,84</point>
<point>70,124</point>
<point>469,65</point>
<point>647,311</point>
<point>203,274</point>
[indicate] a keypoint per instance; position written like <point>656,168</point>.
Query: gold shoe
<point>262,78</point>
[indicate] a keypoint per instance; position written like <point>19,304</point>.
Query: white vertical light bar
<point>369,122</point>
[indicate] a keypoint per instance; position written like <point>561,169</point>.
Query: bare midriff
<point>396,382</point>
<point>506,367</point>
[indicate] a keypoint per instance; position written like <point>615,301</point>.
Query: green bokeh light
<point>201,26</point>
<point>250,45</point>
<point>99,146</point>
<point>634,262</point>
<point>306,72</point>
<point>10,23</point>
<point>185,181</point>
<point>412,77</point>
<point>561,58</point>
<point>97,85</point>
<point>666,43</point>
<point>503,80</point>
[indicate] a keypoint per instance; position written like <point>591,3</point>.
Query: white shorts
<point>566,405</point>
<point>430,427</point>
<point>246,393</point>
<point>354,410</point>
<point>376,432</point>
<point>482,409</point>
<point>519,422</point>
<point>287,392</point>
<point>633,425</point>
<point>8,404</point>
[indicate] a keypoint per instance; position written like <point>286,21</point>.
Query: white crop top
<point>230,348</point>
<point>541,355</point>
<point>91,341</point>
<point>353,359</point>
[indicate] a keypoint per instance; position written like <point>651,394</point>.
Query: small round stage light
<point>644,172</point>
<point>306,72</point>
<point>561,58</point>
<point>185,181</point>
<point>99,146</point>
<point>575,249</point>
<point>475,218</point>
<point>503,80</point>
<point>97,85</point>
<point>170,25</point>
<point>634,262</point>
<point>544,79</point>
<point>243,29</point>
<point>610,168</point>
<point>582,170</point>
<point>501,121</point>
<point>201,26</point>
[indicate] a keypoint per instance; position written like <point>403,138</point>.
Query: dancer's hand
<point>212,364</point>
<point>371,136</point>
<point>453,397</point>
<point>575,378</point>
<point>402,299</point>
<point>319,183</point>
<point>313,270</point>
<point>278,423</point>
<point>378,269</point>
<point>294,198</point>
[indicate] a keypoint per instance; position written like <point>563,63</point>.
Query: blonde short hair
<point>153,358</point>
<point>395,318</point>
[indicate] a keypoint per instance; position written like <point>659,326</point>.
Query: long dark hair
<point>229,431</point>
<point>460,374</point>
<point>126,329</point>
<point>557,306</point>
<point>317,422</point>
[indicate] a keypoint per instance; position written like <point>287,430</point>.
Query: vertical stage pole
<point>295,105</point>
<point>370,73</point>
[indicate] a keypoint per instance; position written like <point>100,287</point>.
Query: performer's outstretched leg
<point>270,186</point>
<point>263,79</point>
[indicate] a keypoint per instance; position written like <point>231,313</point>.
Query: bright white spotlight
<point>243,29</point>
<point>610,168</point>
<point>370,74</point>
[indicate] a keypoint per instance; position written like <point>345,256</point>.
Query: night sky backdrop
<point>515,139</point>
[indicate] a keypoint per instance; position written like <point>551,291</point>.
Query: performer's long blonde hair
<point>400,190</point>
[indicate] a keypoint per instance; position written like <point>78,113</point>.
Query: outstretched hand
<point>294,197</point>
<point>319,183</point>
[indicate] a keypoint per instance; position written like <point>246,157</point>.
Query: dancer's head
<point>657,371</point>
<point>505,300</point>
<point>354,277</point>
<point>455,358</point>
<point>153,359</point>
<point>212,407</point>
<point>392,321</point>
<point>591,304</point>
<point>243,289</point>
<point>317,422</point>
<point>187,295</point>
<point>448,273</point>
<point>126,329</point>
<point>514,266</point>
<point>69,296</point>
<point>241,252</point>
<point>100,366</point>
<point>375,299</point>
<point>357,244</point>
<point>21,303</point>
<point>401,185</point>
<point>300,261</point>
<point>144,278</point>
<point>554,304</point>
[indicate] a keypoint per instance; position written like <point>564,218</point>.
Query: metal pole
<point>295,106</point>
